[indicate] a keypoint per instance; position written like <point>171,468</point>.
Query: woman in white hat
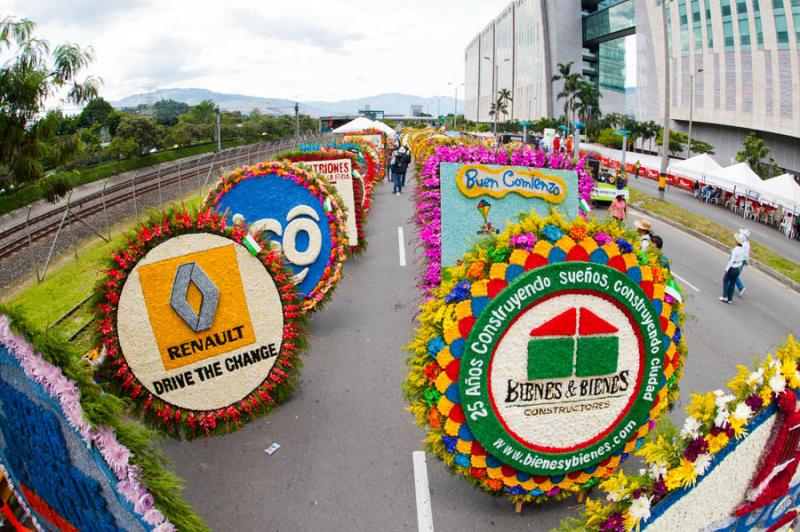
<point>746,245</point>
<point>645,230</point>
<point>733,269</point>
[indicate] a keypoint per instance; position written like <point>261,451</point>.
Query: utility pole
<point>662,174</point>
<point>691,111</point>
<point>217,132</point>
<point>296,120</point>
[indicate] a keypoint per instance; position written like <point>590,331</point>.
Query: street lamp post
<point>624,133</point>
<point>662,174</point>
<point>455,104</point>
<point>691,112</point>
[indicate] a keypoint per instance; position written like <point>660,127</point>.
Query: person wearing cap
<point>746,245</point>
<point>645,230</point>
<point>733,269</point>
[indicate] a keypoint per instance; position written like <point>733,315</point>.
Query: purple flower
<point>602,239</point>
<point>755,403</point>
<point>614,523</point>
<point>524,241</point>
<point>695,448</point>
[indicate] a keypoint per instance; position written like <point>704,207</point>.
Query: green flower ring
<point>439,400</point>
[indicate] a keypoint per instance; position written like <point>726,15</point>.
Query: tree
<point>571,86</point>
<point>677,140</point>
<point>30,76</point>
<point>503,99</point>
<point>755,152</point>
<point>142,130</point>
<point>168,111</point>
<point>698,147</point>
<point>97,111</point>
<point>204,112</point>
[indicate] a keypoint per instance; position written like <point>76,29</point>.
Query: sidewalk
<point>763,234</point>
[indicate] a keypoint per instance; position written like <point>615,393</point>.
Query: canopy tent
<point>391,133</point>
<point>697,168</point>
<point>355,125</point>
<point>362,123</point>
<point>782,190</point>
<point>735,178</point>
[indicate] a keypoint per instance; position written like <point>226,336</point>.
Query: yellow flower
<point>702,407</point>
<point>739,384</point>
<point>789,370</point>
<point>738,426</point>
<point>684,475</point>
<point>766,395</point>
<point>717,443</point>
<point>655,452</point>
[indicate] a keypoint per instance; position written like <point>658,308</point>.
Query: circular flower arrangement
<point>330,271</point>
<point>443,384</point>
<point>358,186</point>
<point>274,387</point>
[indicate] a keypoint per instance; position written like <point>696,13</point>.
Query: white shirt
<point>737,258</point>
<point>746,247</point>
<point>645,242</point>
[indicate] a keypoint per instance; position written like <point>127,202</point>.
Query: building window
<point>781,24</point>
<point>744,25</point>
<point>727,25</point>
<point>709,26</point>
<point>759,29</point>
<point>697,27</point>
<point>796,22</point>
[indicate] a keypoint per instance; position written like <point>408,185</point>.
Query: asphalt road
<point>345,462</point>
<point>763,234</point>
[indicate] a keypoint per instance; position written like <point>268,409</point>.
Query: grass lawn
<point>69,281</point>
<point>717,232</point>
<point>33,192</point>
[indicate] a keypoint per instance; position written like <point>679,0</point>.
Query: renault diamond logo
<point>191,272</point>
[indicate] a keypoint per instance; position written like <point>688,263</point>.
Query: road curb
<point>719,245</point>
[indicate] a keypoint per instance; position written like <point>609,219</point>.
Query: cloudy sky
<point>304,49</point>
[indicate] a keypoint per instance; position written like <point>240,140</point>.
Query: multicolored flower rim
<point>448,319</point>
<point>277,386</point>
<point>320,189</point>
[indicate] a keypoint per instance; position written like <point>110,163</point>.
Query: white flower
<point>722,400</point>
<point>640,508</point>
<point>690,428</point>
<point>722,417</point>
<point>777,383</point>
<point>756,379</point>
<point>616,496</point>
<point>702,463</point>
<point>658,470</point>
<point>742,411</point>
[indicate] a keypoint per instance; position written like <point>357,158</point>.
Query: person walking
<point>619,209</point>
<point>663,260</point>
<point>746,246</point>
<point>645,230</point>
<point>733,269</point>
<point>398,167</point>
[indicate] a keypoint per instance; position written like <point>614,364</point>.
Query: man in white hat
<point>746,245</point>
<point>645,230</point>
<point>733,269</point>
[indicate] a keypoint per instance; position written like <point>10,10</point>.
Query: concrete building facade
<point>734,63</point>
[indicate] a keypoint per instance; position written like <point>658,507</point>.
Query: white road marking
<point>684,281</point>
<point>423,493</point>
<point>401,244</point>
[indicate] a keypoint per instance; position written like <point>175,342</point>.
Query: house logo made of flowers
<point>575,343</point>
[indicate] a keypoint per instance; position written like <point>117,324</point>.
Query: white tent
<point>738,178</point>
<point>783,190</point>
<point>696,168</point>
<point>363,123</point>
<point>354,126</point>
<point>391,133</point>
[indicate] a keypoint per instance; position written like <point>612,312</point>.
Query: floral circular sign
<point>562,367</point>
<point>545,356</point>
<point>199,323</point>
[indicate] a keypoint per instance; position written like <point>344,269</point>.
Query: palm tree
<point>588,101</point>
<point>503,98</point>
<point>493,111</point>
<point>570,88</point>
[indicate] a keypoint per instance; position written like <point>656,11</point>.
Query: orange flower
<point>476,270</point>
<point>493,484</point>
<point>577,232</point>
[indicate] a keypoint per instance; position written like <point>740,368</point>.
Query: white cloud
<point>306,49</point>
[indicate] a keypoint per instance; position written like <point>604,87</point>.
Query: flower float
<point>357,187</point>
<point>542,361</point>
<point>200,324</point>
<point>297,211</point>
<point>67,454</point>
<point>733,446</point>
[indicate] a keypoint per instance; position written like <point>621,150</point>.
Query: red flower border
<point>276,387</point>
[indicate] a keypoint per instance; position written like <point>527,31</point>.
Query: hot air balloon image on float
<point>487,228</point>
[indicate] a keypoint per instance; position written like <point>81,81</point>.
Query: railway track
<point>197,171</point>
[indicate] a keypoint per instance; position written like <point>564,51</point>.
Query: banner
<point>478,200</point>
<point>338,172</point>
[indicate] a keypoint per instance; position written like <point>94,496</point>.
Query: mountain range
<point>390,103</point>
